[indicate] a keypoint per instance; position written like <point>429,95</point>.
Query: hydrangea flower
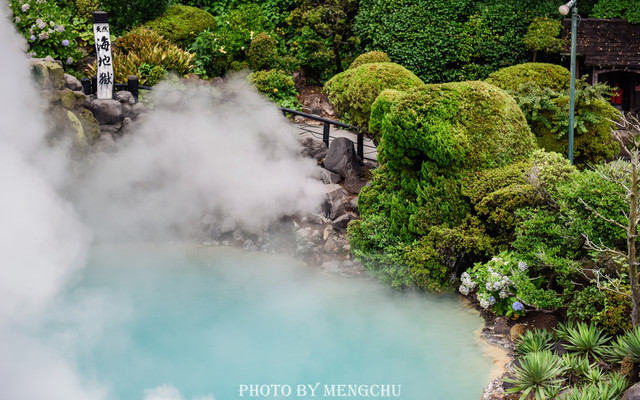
<point>18,20</point>
<point>43,36</point>
<point>32,37</point>
<point>484,304</point>
<point>69,60</point>
<point>492,300</point>
<point>503,294</point>
<point>65,43</point>
<point>59,28</point>
<point>25,8</point>
<point>42,25</point>
<point>517,306</point>
<point>522,266</point>
<point>464,289</point>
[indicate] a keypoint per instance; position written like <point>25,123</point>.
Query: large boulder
<point>107,111</point>
<point>633,393</point>
<point>342,158</point>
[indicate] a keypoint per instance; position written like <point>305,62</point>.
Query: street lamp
<point>564,10</point>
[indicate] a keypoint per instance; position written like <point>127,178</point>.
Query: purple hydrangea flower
<point>517,306</point>
<point>32,37</point>
<point>65,43</point>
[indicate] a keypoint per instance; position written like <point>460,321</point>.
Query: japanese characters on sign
<point>104,59</point>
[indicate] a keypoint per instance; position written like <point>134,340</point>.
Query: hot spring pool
<point>211,322</point>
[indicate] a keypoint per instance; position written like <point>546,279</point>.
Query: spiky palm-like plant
<point>587,339</point>
<point>538,371</point>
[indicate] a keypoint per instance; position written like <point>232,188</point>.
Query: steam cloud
<point>225,153</point>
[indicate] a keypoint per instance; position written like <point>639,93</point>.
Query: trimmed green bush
<point>181,24</point>
<point>542,35</point>
<point>541,91</point>
<point>541,75</point>
<point>379,109</point>
<point>278,86</point>
<point>262,52</point>
<point>416,227</point>
<point>370,57</point>
<point>353,92</point>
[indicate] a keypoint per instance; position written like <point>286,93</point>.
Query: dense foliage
<point>51,28</point>
<point>353,92</point>
<point>444,41</point>
<point>542,36</point>
<point>278,86</point>
<point>541,91</point>
<point>181,24</point>
<point>625,9</point>
<point>148,55</point>
<point>417,227</point>
<point>126,14</point>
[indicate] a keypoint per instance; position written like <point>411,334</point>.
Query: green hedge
<point>353,92</point>
<point>417,226</point>
<point>181,24</point>
<point>542,93</point>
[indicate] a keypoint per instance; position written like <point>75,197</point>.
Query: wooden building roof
<point>606,42</point>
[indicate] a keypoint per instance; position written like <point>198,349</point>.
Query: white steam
<point>224,152</point>
<point>42,240</point>
<point>227,153</point>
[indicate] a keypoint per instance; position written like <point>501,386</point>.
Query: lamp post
<point>564,10</point>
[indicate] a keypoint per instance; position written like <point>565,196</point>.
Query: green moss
<point>541,75</point>
<point>370,57</point>
<point>542,93</point>
<point>262,52</point>
<point>415,210</point>
<point>181,24</point>
<point>353,92</point>
<point>379,109</point>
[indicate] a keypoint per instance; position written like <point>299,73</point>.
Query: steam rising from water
<point>224,152</point>
<point>235,160</point>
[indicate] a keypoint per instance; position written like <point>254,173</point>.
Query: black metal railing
<point>326,126</point>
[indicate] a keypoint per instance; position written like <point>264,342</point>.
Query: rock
<point>82,100</point>
<point>354,184</point>
<point>136,110</point>
<point>111,129</point>
<point>342,158</point>
<point>67,98</point>
<point>105,144</point>
<point>354,205</point>
<point>89,124</point>
<point>107,111</point>
<point>72,83</point>
<point>338,201</point>
<point>501,326</point>
<point>49,75</point>
<point>516,331</point>
<point>313,148</point>
<point>331,246</point>
<point>493,391</point>
<point>633,393</point>
<point>79,138</point>
<point>124,96</point>
<point>127,124</point>
<point>340,223</point>
<point>331,266</point>
<point>126,110</point>
<point>329,177</point>
<point>317,219</point>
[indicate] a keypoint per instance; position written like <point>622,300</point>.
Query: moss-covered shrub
<point>370,57</point>
<point>416,228</point>
<point>379,109</point>
<point>353,92</point>
<point>541,91</point>
<point>278,86</point>
<point>86,8</point>
<point>541,75</point>
<point>262,52</point>
<point>143,52</point>
<point>181,24</point>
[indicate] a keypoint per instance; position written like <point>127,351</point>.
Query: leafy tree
<point>625,9</point>
<point>125,14</point>
<point>331,20</point>
<point>542,36</point>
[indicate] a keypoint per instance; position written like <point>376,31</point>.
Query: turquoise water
<point>208,321</point>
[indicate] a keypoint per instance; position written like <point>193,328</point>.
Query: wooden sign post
<point>104,59</point>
